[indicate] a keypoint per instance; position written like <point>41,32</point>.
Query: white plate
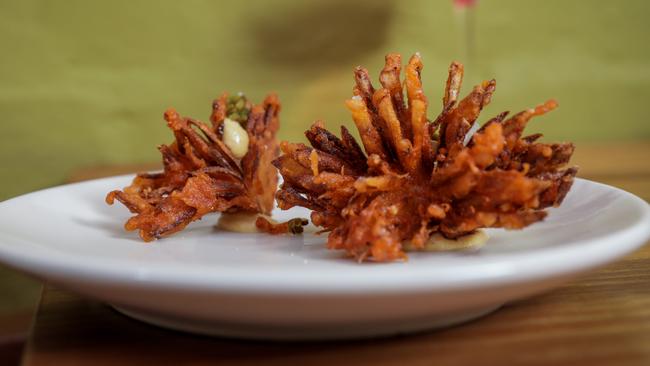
<point>282,287</point>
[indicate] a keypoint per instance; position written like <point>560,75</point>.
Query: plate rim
<point>501,269</point>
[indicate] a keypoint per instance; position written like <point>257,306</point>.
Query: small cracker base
<point>438,243</point>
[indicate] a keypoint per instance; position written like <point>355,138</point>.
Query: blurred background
<point>84,84</point>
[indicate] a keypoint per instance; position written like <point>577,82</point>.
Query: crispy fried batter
<point>293,226</point>
<point>201,175</point>
<point>419,177</point>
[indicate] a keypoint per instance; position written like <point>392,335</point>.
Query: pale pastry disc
<point>438,243</point>
<point>238,222</point>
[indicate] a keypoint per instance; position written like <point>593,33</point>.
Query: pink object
<point>464,3</point>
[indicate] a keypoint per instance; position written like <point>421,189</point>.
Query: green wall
<point>85,82</point>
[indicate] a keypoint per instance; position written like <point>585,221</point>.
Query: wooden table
<point>602,318</point>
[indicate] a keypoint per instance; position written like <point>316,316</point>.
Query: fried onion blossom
<point>415,177</point>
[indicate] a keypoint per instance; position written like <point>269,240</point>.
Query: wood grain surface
<point>602,318</point>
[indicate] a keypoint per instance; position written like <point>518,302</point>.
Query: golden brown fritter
<point>201,174</point>
<point>419,177</point>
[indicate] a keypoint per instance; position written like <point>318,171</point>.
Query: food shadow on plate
<point>94,200</point>
<point>114,229</point>
<point>107,218</point>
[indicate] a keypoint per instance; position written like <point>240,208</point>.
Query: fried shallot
<point>415,177</point>
<point>202,174</point>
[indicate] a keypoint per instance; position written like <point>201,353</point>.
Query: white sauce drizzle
<point>235,137</point>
